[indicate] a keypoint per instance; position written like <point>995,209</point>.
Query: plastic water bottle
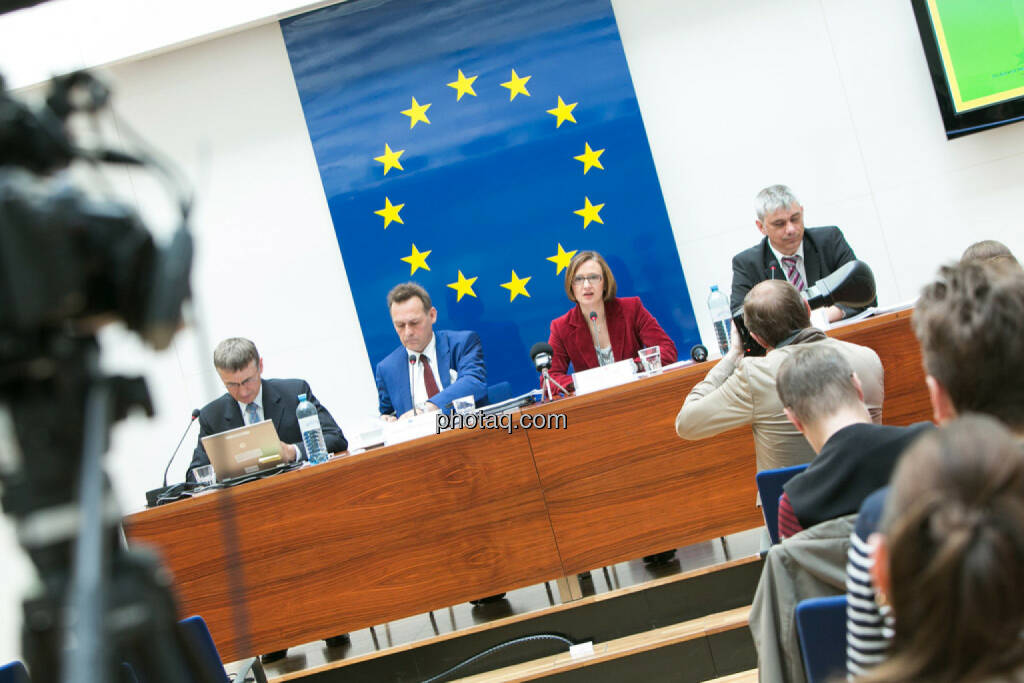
<point>721,316</point>
<point>312,434</point>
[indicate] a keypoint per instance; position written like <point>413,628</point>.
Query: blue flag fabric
<point>473,146</point>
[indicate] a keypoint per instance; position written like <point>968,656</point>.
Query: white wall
<point>829,96</point>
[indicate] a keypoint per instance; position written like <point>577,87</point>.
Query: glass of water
<point>651,360</point>
<point>204,475</point>
<point>464,405</point>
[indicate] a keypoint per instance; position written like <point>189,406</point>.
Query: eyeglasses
<point>592,279</point>
<point>244,383</point>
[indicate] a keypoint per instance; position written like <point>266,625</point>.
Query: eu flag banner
<point>473,146</point>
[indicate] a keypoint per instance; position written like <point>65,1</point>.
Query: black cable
<point>500,646</point>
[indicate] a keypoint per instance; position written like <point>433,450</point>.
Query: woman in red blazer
<point>600,320</point>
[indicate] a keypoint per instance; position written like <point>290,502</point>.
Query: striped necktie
<point>789,263</point>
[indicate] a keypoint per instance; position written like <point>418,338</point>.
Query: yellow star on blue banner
<point>563,112</point>
<point>417,259</point>
<point>464,286</point>
<point>590,212</point>
<point>417,112</point>
<point>562,259</point>
<point>516,286</point>
<point>516,86</point>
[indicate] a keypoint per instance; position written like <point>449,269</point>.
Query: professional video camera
<point>69,262</point>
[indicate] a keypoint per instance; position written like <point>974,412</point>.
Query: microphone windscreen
<point>593,316</point>
<point>699,353</point>
<point>195,413</point>
<point>541,347</point>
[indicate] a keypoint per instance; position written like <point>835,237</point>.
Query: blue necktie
<point>254,413</point>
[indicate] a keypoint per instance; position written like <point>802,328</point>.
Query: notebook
<point>244,450</point>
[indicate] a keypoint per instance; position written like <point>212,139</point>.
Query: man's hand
<point>288,452</point>
<point>834,313</point>
<point>388,418</point>
<point>429,407</point>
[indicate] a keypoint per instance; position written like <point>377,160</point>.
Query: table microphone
<point>541,353</point>
<point>155,494</point>
<point>699,353</point>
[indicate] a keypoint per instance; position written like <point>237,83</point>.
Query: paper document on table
<point>595,379</point>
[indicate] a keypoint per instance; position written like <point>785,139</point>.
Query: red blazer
<point>630,326</point>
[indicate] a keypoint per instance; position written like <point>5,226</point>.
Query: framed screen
<point>975,53</point>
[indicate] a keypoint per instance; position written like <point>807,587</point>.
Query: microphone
<point>699,353</point>
<point>593,317</point>
<point>773,271</point>
<point>541,353</point>
<point>852,284</point>
<point>153,496</point>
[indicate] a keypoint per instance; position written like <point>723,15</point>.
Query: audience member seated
<point>970,324</point>
<point>949,560</point>
<point>601,328</point>
<point>739,391</point>
<point>989,251</point>
<point>430,368</point>
<point>823,398</point>
<point>788,251</point>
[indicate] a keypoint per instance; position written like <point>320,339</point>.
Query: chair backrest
<point>14,672</point>
<point>821,625</point>
<point>496,393</point>
<point>769,486</point>
<point>198,633</point>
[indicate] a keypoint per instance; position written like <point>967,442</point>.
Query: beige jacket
<point>743,392</point>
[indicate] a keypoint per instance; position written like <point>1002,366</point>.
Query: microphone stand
<point>546,393</point>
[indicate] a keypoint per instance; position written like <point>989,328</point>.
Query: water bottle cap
<point>714,288</point>
<point>302,397</point>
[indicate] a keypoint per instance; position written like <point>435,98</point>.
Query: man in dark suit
<point>431,368</point>
<point>252,399</point>
<point>788,251</point>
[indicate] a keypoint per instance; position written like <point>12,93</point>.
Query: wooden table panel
<point>620,484</point>
<point>361,540</point>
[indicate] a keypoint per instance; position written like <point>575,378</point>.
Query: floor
<point>520,601</point>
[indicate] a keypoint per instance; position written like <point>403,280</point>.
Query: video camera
<point>70,262</point>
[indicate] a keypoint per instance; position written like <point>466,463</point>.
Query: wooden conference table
<point>397,531</point>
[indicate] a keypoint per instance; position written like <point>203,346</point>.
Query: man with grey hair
<point>250,399</point>
<point>788,251</point>
<point>824,399</point>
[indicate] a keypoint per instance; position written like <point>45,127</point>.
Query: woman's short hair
<point>954,528</point>
<point>610,288</point>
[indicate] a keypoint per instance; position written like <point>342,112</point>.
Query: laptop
<point>244,450</point>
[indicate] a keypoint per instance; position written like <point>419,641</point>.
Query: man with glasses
<point>251,399</point>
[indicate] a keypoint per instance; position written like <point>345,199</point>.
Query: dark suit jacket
<point>280,399</point>
<point>630,327</point>
<point>460,351</point>
<point>856,461</point>
<point>825,249</point>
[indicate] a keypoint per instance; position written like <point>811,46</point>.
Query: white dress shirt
<point>416,383</point>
